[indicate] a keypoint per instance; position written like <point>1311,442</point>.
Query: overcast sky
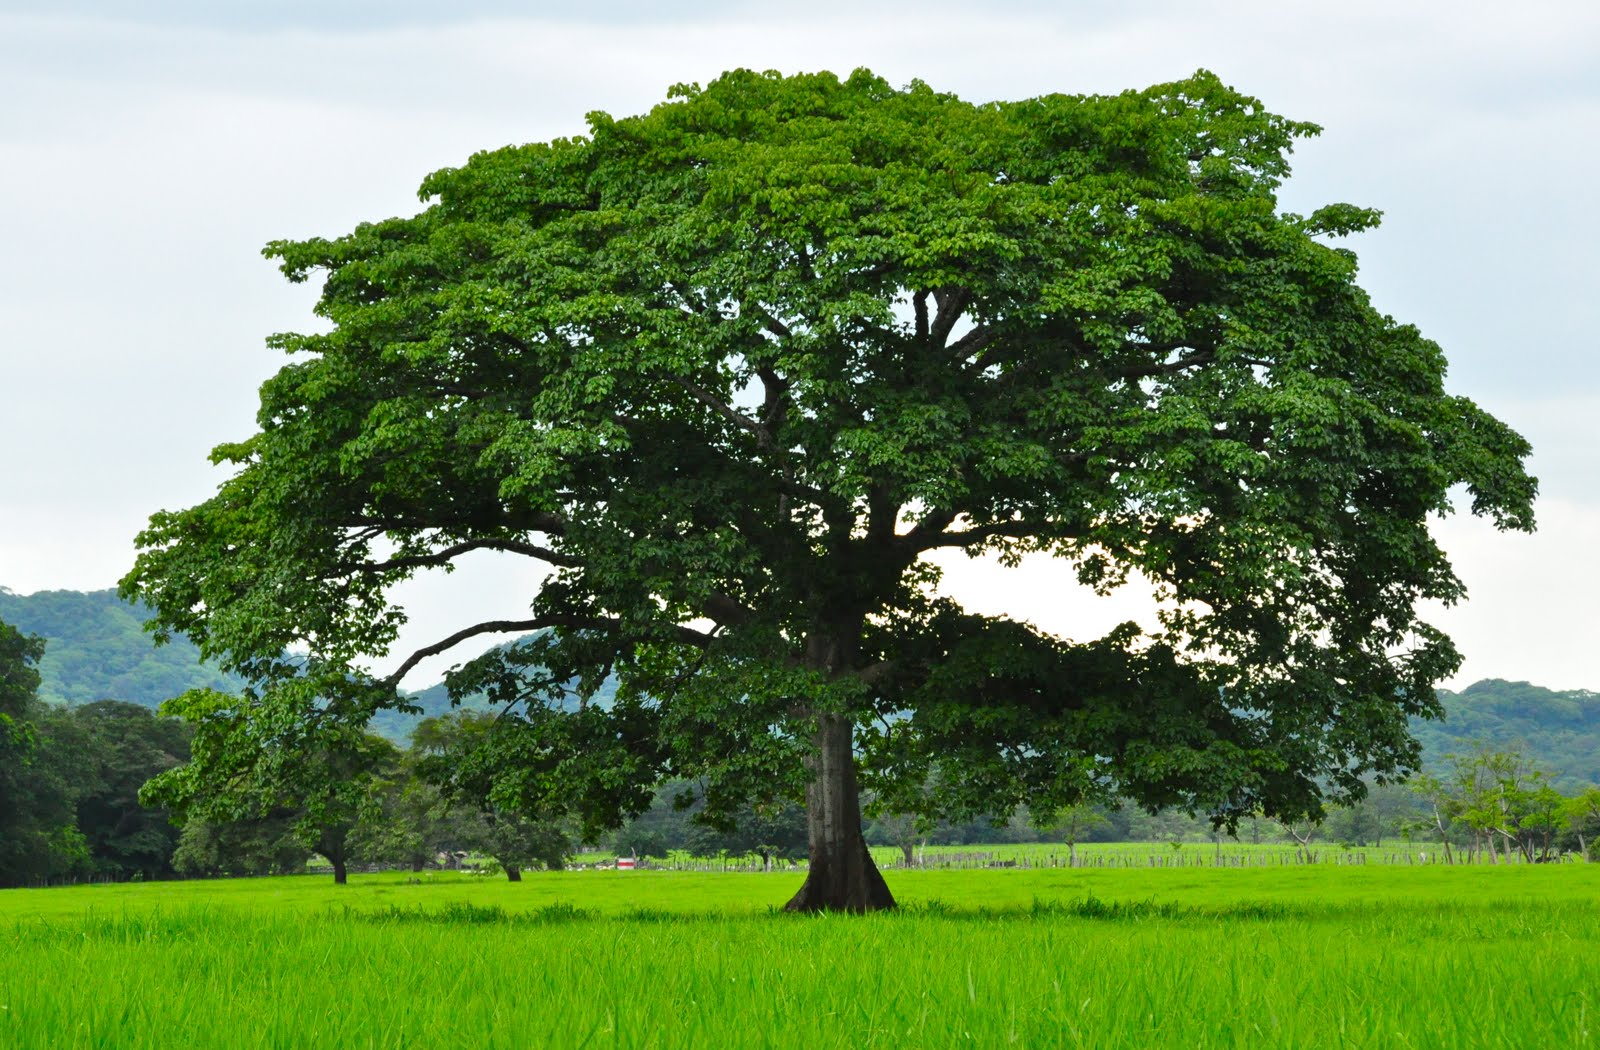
<point>149,150</point>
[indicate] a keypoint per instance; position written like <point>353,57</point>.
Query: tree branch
<point>685,635</point>
<point>726,609</point>
<point>725,410</point>
<point>770,323</point>
<point>952,303</point>
<point>443,557</point>
<point>1203,357</point>
<point>983,533</point>
<point>775,400</point>
<point>972,342</point>
<point>933,523</point>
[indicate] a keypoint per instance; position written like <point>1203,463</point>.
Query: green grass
<point>1194,957</point>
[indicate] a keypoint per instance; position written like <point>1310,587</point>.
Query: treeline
<point>103,790</point>
<point>70,779</point>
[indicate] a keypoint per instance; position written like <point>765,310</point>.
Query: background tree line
<point>71,778</point>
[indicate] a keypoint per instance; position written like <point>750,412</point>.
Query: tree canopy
<point>733,368</point>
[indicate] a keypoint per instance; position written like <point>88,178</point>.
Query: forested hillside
<point>1560,731</point>
<point>96,649</point>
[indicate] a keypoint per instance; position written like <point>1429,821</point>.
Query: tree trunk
<point>908,850</point>
<point>843,876</point>
<point>331,844</point>
<point>513,873</point>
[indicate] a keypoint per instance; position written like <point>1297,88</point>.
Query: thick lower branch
<point>449,554</point>
<point>684,635</point>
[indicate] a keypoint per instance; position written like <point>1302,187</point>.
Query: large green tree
<point>734,368</point>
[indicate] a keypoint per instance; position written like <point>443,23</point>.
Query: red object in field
<point>625,863</point>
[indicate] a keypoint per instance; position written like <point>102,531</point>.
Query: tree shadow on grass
<point>1092,908</point>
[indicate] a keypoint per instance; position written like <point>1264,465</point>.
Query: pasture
<point>1304,956</point>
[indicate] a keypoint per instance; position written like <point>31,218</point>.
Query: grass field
<point>1307,956</point>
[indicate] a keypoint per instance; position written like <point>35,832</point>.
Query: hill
<point>96,649</point>
<point>1560,730</point>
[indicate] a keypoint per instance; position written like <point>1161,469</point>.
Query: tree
<point>770,832</point>
<point>1071,823</point>
<point>455,754</point>
<point>1582,813</point>
<point>247,845</point>
<point>733,370</point>
<point>1441,810</point>
<point>19,684</point>
<point>328,776</point>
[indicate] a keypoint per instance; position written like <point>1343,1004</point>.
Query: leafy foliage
<point>329,779</point>
<point>456,754</point>
<point>69,779</point>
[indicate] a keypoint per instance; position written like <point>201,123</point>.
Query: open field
<point>1308,956</point>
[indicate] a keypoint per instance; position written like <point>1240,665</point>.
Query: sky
<point>149,150</point>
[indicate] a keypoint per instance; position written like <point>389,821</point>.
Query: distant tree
<point>1582,813</point>
<point>19,684</point>
<point>1506,801</point>
<point>900,830</point>
<point>1302,833</point>
<point>421,823</point>
<point>457,755</point>
<point>1440,810</point>
<point>39,838</point>
<point>330,776</point>
<point>1070,823</point>
<point>770,832</point>
<point>735,369</point>
<point>246,845</point>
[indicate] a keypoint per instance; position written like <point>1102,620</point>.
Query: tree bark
<point>513,873</point>
<point>331,845</point>
<point>843,876</point>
